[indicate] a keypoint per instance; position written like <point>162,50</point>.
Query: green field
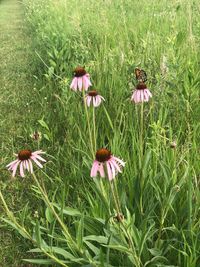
<point>149,215</point>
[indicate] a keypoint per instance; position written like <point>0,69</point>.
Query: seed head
<point>103,155</point>
<point>24,154</point>
<point>93,93</point>
<point>141,86</point>
<point>79,72</point>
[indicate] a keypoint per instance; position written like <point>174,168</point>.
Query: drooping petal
<point>27,165</point>
<point>80,83</point>
<point>21,169</point>
<point>94,101</point>
<point>117,167</point>
<point>12,163</point>
<point>146,96</point>
<point>110,177</point>
<point>101,170</point>
<point>38,152</point>
<point>74,84</point>
<point>102,98</point>
<point>119,160</point>
<point>85,83</point>
<point>15,168</point>
<point>88,100</point>
<point>24,164</point>
<point>142,95</point>
<point>98,100</point>
<point>40,158</point>
<point>133,97</point>
<point>138,99</point>
<point>95,167</point>
<point>148,92</point>
<point>36,161</point>
<point>112,168</point>
<point>31,166</point>
<point>88,79</point>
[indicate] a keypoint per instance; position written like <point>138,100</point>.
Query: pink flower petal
<point>74,84</point>
<point>24,164</point>
<point>101,170</point>
<point>98,100</point>
<point>110,177</point>
<point>94,169</point>
<point>31,166</point>
<point>88,100</point>
<point>89,82</point>
<point>142,95</point>
<point>12,166</point>
<point>80,83</point>
<point>102,98</point>
<point>37,162</point>
<point>94,101</point>
<point>40,158</point>
<point>38,152</point>
<point>133,97</point>
<point>112,168</point>
<point>148,92</point>
<point>12,163</point>
<point>138,96</point>
<point>27,165</point>
<point>146,96</point>
<point>88,79</point>
<point>117,167</point>
<point>21,169</point>
<point>119,160</point>
<point>85,82</point>
<point>15,168</point>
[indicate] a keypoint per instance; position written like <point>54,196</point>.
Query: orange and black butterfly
<point>141,75</point>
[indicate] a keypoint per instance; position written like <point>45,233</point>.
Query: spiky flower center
<point>103,155</point>
<point>24,154</point>
<point>79,72</point>
<point>93,93</point>
<point>141,86</point>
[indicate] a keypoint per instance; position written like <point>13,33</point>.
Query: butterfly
<point>141,75</point>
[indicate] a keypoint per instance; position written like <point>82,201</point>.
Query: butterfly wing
<point>141,75</point>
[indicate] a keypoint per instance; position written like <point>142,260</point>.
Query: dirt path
<point>15,88</point>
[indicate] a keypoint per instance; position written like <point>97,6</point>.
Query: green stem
<point>94,128</point>
<point>65,230</point>
<point>22,229</point>
<point>117,195</point>
<point>141,140</point>
<point>190,185</point>
<point>114,198</point>
<point>161,227</point>
<point>118,208</point>
<point>89,128</point>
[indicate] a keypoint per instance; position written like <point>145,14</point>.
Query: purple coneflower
<point>24,161</point>
<point>81,80</point>
<point>105,161</point>
<point>141,94</point>
<point>93,98</point>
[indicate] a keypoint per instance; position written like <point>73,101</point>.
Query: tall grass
<point>76,226</point>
